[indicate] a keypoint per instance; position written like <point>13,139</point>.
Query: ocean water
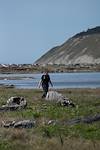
<point>60,80</point>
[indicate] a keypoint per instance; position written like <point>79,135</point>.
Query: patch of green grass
<point>5,145</point>
<point>87,104</point>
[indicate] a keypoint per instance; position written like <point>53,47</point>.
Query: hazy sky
<point>29,28</point>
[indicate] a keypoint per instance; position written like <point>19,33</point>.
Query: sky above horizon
<point>29,28</point>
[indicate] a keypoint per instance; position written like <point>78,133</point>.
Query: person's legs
<point>45,90</point>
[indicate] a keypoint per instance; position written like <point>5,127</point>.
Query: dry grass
<point>53,137</point>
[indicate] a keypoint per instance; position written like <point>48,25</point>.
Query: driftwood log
<point>32,123</point>
<point>14,103</point>
<point>88,120</point>
<point>59,98</point>
<point>19,124</point>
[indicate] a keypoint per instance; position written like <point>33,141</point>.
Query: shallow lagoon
<point>60,80</point>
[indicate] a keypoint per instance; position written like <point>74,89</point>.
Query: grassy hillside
<point>53,136</point>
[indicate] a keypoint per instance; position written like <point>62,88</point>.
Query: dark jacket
<point>45,80</point>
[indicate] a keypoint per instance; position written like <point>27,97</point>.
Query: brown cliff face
<point>83,48</point>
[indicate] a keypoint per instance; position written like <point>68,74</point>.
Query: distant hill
<point>82,48</point>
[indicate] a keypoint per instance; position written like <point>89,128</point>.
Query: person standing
<point>44,82</point>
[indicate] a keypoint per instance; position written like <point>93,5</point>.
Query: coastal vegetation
<point>47,134</point>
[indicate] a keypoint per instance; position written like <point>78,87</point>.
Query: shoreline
<point>50,89</point>
<point>39,68</point>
